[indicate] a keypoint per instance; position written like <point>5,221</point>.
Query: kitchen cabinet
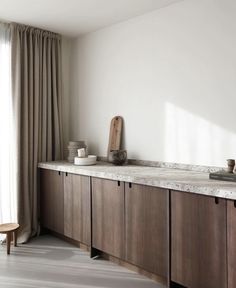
<point>65,204</point>
<point>183,237</point>
<point>198,241</point>
<point>146,224</point>
<point>77,223</point>
<point>131,223</point>
<point>52,200</point>
<point>108,216</point>
<point>231,245</point>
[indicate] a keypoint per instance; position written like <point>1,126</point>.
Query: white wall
<point>171,74</point>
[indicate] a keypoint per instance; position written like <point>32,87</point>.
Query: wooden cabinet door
<point>52,200</point>
<point>198,241</point>
<point>231,230</point>
<point>77,208</point>
<point>146,222</point>
<point>108,216</point>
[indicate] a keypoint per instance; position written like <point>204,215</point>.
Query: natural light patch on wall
<point>192,139</point>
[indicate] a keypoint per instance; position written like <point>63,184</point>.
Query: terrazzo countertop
<point>175,179</point>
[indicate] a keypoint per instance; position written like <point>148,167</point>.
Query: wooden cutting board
<point>115,134</point>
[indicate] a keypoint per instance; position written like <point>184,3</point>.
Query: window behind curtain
<point>7,195</point>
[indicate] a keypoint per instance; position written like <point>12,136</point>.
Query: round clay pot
<point>117,157</point>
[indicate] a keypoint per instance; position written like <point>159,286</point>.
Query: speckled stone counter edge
<point>169,178</point>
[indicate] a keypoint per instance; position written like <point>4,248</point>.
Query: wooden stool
<point>9,229</point>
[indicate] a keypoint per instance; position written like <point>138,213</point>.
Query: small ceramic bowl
<point>117,157</point>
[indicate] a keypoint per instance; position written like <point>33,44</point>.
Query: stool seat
<point>10,229</point>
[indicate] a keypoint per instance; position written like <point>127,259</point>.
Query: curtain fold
<point>36,96</point>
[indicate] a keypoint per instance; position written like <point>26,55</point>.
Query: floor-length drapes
<point>36,94</point>
<point>7,189</point>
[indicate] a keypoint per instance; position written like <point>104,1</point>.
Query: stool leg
<point>8,242</point>
<point>15,238</point>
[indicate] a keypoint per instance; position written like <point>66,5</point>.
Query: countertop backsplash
<point>160,164</point>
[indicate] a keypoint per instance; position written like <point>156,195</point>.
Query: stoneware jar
<point>231,164</point>
<point>73,149</point>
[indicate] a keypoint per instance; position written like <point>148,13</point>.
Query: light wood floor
<point>49,262</point>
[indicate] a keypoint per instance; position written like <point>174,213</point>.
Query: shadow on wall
<point>190,138</point>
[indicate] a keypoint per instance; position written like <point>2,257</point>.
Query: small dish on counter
<point>85,161</point>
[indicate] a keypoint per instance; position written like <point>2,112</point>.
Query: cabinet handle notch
<point>130,185</point>
<point>216,200</point>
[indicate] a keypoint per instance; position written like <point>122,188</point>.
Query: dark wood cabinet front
<point>52,200</point>
<point>146,223</point>
<point>198,241</point>
<point>231,233</point>
<point>183,237</point>
<point>108,216</point>
<point>77,210</point>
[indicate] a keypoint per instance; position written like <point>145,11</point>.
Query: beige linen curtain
<point>36,93</point>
